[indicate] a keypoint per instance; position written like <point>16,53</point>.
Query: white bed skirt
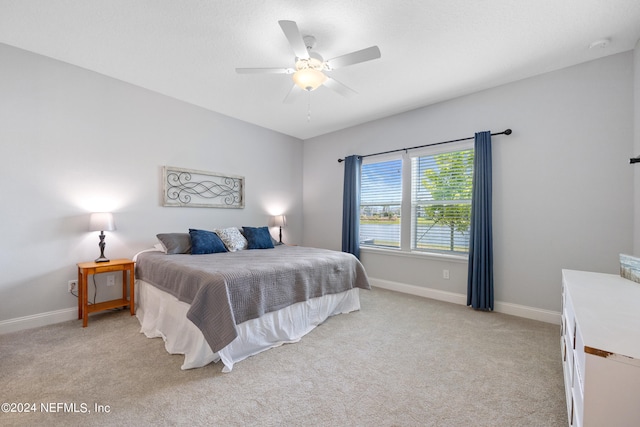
<point>163,315</point>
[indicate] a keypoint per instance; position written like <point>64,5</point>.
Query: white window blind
<point>441,187</point>
<point>380,203</point>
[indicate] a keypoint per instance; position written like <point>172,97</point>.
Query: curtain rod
<point>506,132</point>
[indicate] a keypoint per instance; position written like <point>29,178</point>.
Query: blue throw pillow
<point>205,242</point>
<point>257,237</point>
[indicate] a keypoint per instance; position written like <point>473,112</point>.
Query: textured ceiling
<point>432,50</point>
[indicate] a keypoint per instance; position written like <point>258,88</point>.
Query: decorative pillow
<point>232,238</point>
<point>258,237</point>
<point>205,242</point>
<point>175,243</point>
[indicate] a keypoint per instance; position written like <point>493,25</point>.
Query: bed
<point>231,305</point>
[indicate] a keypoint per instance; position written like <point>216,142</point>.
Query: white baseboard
<point>51,317</point>
<point>500,307</point>
<point>36,320</point>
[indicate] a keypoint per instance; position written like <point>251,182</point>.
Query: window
<point>434,208</point>
<point>441,201</point>
<point>380,203</point>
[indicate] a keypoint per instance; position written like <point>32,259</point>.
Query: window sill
<point>414,254</point>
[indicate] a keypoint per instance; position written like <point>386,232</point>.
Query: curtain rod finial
<point>507,132</point>
<point>340,160</point>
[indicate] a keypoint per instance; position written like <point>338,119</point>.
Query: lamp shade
<point>101,221</point>
<point>309,78</point>
<point>279,221</point>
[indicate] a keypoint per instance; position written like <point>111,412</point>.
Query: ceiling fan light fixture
<point>309,69</point>
<point>309,78</point>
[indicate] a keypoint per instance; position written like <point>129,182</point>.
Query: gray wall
<point>563,188</point>
<point>73,141</point>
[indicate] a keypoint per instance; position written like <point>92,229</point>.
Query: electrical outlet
<point>72,285</point>
<point>445,274</point>
<point>111,280</point>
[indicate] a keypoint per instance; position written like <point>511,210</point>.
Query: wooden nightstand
<point>87,268</point>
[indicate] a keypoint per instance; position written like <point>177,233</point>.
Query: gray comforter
<point>226,289</point>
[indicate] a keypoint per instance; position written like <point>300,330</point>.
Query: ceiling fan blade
<point>293,94</point>
<point>336,86</point>
<point>290,29</point>
<point>265,70</point>
<point>363,55</point>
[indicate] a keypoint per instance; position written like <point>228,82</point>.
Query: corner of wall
<point>636,148</point>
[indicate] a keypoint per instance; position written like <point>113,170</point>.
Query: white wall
<point>563,188</point>
<point>73,141</point>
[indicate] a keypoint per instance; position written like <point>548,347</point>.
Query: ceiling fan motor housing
<point>315,61</point>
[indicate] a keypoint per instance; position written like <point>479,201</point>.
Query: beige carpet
<point>400,361</point>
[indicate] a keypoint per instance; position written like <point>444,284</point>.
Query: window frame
<point>382,159</point>
<point>408,213</point>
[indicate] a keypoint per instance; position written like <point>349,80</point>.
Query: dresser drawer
<point>579,362</point>
<point>569,321</point>
<point>568,360</point>
<point>578,405</point>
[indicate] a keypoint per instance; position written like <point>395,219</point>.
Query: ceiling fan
<point>310,70</point>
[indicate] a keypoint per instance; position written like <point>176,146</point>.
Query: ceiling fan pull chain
<point>309,107</point>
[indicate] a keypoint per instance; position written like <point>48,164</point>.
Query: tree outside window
<point>442,200</point>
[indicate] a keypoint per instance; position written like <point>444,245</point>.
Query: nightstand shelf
<point>126,266</point>
<point>107,305</point>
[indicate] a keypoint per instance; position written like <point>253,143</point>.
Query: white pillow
<point>232,238</point>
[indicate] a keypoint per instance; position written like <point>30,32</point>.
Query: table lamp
<point>101,221</point>
<point>280,221</point>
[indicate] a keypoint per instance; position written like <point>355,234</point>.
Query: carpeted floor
<point>400,361</point>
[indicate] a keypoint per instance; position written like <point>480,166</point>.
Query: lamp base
<point>101,245</point>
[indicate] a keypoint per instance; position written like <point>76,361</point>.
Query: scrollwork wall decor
<point>187,187</point>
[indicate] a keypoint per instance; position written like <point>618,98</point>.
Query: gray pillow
<point>175,243</point>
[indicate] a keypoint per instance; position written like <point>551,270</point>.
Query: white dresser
<point>601,349</point>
